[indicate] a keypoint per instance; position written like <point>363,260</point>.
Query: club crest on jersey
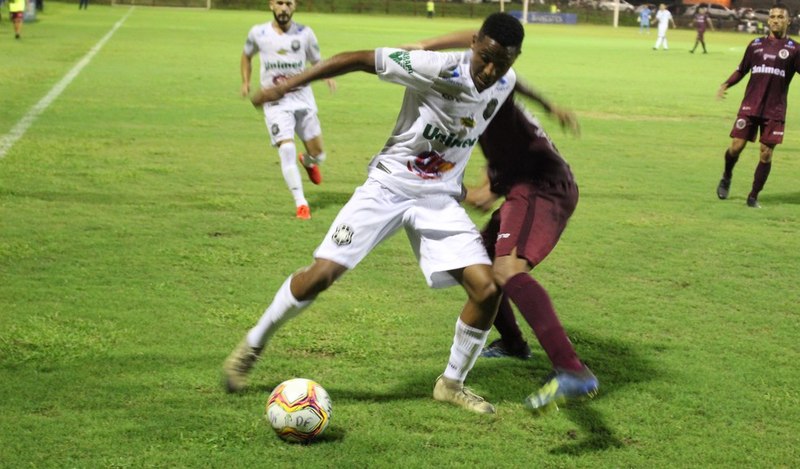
<point>783,53</point>
<point>430,165</point>
<point>468,122</point>
<point>295,45</point>
<point>343,235</point>
<point>490,108</point>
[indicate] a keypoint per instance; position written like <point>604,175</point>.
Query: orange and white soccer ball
<point>299,410</point>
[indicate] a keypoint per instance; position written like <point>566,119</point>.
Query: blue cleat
<point>498,349</point>
<point>562,386</point>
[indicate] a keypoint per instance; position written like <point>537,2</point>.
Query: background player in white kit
<point>664,18</point>
<point>284,47</point>
<point>414,183</point>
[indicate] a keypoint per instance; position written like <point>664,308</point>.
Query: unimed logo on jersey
<point>432,132</point>
<point>403,59</point>
<point>768,70</point>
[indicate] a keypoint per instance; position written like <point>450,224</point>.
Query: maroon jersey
<point>701,22</point>
<point>772,63</point>
<point>518,150</point>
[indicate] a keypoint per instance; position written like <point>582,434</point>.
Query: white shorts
<point>441,233</point>
<point>282,124</point>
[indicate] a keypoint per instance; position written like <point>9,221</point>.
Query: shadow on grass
<point>618,364</point>
<point>785,198</point>
<point>319,200</point>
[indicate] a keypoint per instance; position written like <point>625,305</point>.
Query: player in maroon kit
<point>772,62</point>
<point>700,21</point>
<point>540,196</point>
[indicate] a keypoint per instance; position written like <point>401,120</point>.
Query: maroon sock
<point>730,162</point>
<point>534,304</point>
<point>760,178</point>
<point>506,325</point>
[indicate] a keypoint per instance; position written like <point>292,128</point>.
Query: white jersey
<point>441,118</point>
<point>283,55</point>
<point>663,17</point>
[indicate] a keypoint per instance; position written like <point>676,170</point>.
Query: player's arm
<point>710,23</point>
<point>339,64</point>
<point>565,117</point>
<point>329,81</point>
<point>456,40</point>
<point>246,67</point>
<point>737,74</point>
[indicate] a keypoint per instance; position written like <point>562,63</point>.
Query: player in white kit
<point>414,183</point>
<point>664,18</point>
<point>284,47</point>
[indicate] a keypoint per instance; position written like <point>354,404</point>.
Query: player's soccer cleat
<point>723,188</point>
<point>448,390</point>
<point>752,202</point>
<point>498,349</point>
<point>304,212</point>
<point>313,171</point>
<point>562,386</point>
<point>238,365</point>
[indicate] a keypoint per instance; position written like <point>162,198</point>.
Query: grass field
<point>144,226</point>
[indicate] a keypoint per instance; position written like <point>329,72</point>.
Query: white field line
<point>7,141</point>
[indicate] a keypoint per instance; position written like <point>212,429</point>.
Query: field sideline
<point>144,225</point>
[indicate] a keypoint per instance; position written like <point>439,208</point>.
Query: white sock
<point>467,345</point>
<point>311,159</point>
<point>283,307</point>
<point>291,174</point>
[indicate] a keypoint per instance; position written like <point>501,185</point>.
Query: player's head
<point>282,10</point>
<point>778,21</point>
<point>662,6</point>
<point>495,48</point>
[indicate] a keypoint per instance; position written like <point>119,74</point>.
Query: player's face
<point>282,10</point>
<point>490,61</point>
<point>778,21</point>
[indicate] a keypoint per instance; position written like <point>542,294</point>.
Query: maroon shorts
<point>531,219</point>
<point>17,15</point>
<point>747,127</point>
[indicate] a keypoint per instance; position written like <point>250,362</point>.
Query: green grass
<point>144,226</point>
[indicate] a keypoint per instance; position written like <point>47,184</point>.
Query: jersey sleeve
<point>313,53</point>
<point>412,69</point>
<point>250,45</point>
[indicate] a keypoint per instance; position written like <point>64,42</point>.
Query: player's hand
<point>481,198</point>
<point>722,91</point>
<point>331,84</point>
<point>567,119</point>
<point>245,90</point>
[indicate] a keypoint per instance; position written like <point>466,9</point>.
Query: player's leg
<point>281,126</point>
<point>511,342</point>
<point>294,295</point>
<point>761,174</point>
<point>535,221</point>
<point>744,130</point>
<point>450,251</point>
<point>472,329</point>
<point>310,132</point>
<point>371,217</point>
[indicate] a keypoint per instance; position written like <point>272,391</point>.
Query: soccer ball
<point>299,410</point>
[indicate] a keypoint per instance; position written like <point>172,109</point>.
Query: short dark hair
<point>504,29</point>
<point>782,7</point>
